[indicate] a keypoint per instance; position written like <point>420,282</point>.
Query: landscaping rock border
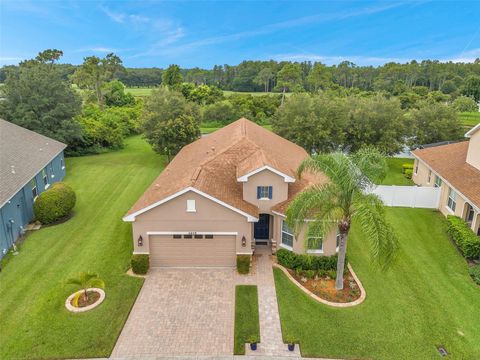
<point>362,297</point>
<point>70,307</point>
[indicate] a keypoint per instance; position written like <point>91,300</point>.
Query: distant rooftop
<point>23,154</point>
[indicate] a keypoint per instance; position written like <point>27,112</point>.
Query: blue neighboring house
<point>29,164</point>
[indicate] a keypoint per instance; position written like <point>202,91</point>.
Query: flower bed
<point>323,285</point>
<point>79,304</point>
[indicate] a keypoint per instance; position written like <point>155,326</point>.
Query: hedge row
<point>475,273</point>
<point>55,203</point>
<point>464,237</point>
<point>292,260</point>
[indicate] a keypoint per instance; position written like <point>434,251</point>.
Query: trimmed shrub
<point>475,273</point>
<point>55,203</point>
<point>408,173</point>
<point>291,260</point>
<point>243,264</point>
<point>140,263</point>
<point>407,167</point>
<point>464,237</point>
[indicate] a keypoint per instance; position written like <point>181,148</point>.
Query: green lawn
<point>395,175</point>
<point>246,316</point>
<point>146,91</point>
<point>140,91</point>
<point>426,299</point>
<point>208,130</point>
<point>470,119</point>
<point>34,323</point>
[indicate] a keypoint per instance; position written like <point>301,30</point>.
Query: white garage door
<point>192,250</point>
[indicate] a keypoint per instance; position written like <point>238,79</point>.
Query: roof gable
<point>212,165</point>
<point>23,154</point>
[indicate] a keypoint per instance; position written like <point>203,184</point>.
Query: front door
<point>261,229</point>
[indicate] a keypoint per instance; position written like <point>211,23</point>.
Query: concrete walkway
<point>271,342</point>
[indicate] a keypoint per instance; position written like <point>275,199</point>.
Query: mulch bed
<point>324,287</point>
<point>93,296</point>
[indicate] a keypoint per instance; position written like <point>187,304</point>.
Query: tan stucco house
<point>220,197</point>
<point>455,168</point>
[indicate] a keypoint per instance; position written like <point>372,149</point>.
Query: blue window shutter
<point>258,192</point>
<point>270,192</point>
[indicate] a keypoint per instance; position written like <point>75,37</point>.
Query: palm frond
<point>372,165</point>
<point>97,283</point>
<point>371,217</point>
<point>309,204</point>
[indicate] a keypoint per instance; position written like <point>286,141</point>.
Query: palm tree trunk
<point>85,295</point>
<point>342,250</point>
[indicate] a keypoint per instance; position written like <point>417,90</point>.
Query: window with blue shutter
<point>264,192</point>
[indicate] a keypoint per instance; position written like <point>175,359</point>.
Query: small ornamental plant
<point>84,281</point>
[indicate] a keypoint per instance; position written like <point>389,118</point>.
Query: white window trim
<point>429,176</point>
<point>191,206</point>
<point>454,200</point>
<point>281,237</point>
<point>286,246</point>
<point>47,186</point>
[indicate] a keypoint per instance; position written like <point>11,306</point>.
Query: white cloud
<point>466,56</point>
<point>274,27</point>
<point>97,49</point>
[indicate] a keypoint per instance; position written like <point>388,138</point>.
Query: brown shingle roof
<point>23,154</point>
<point>213,163</point>
<point>449,161</point>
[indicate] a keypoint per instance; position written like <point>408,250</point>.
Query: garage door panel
<point>167,251</point>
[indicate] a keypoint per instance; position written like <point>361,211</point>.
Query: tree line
<point>90,110</point>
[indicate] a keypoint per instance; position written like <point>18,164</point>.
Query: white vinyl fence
<point>409,196</point>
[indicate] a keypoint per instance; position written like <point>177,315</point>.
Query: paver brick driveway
<point>181,312</point>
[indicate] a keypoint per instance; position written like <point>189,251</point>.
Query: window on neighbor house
<point>198,236</point>
<point>452,199</point>
<point>189,236</point>
<point>209,236</point>
<point>45,178</point>
<point>287,235</point>
<point>62,163</point>
<point>438,181</point>
<point>315,244</point>
<point>33,184</point>
<point>416,167</point>
<point>264,192</point>
<point>177,236</point>
<point>429,176</point>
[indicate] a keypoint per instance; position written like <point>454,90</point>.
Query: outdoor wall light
<point>140,241</point>
<point>244,241</point>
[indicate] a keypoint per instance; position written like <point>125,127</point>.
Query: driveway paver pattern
<point>181,312</point>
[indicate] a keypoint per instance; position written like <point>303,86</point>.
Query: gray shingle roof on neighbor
<point>27,152</point>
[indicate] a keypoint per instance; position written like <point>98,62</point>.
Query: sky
<point>197,33</point>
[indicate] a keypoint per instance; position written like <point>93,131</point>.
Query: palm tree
<point>343,199</point>
<point>85,280</point>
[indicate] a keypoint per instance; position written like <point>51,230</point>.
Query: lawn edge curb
<point>360,300</point>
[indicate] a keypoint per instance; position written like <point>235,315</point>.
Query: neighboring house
<point>220,197</point>
<point>455,168</point>
<point>29,164</point>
